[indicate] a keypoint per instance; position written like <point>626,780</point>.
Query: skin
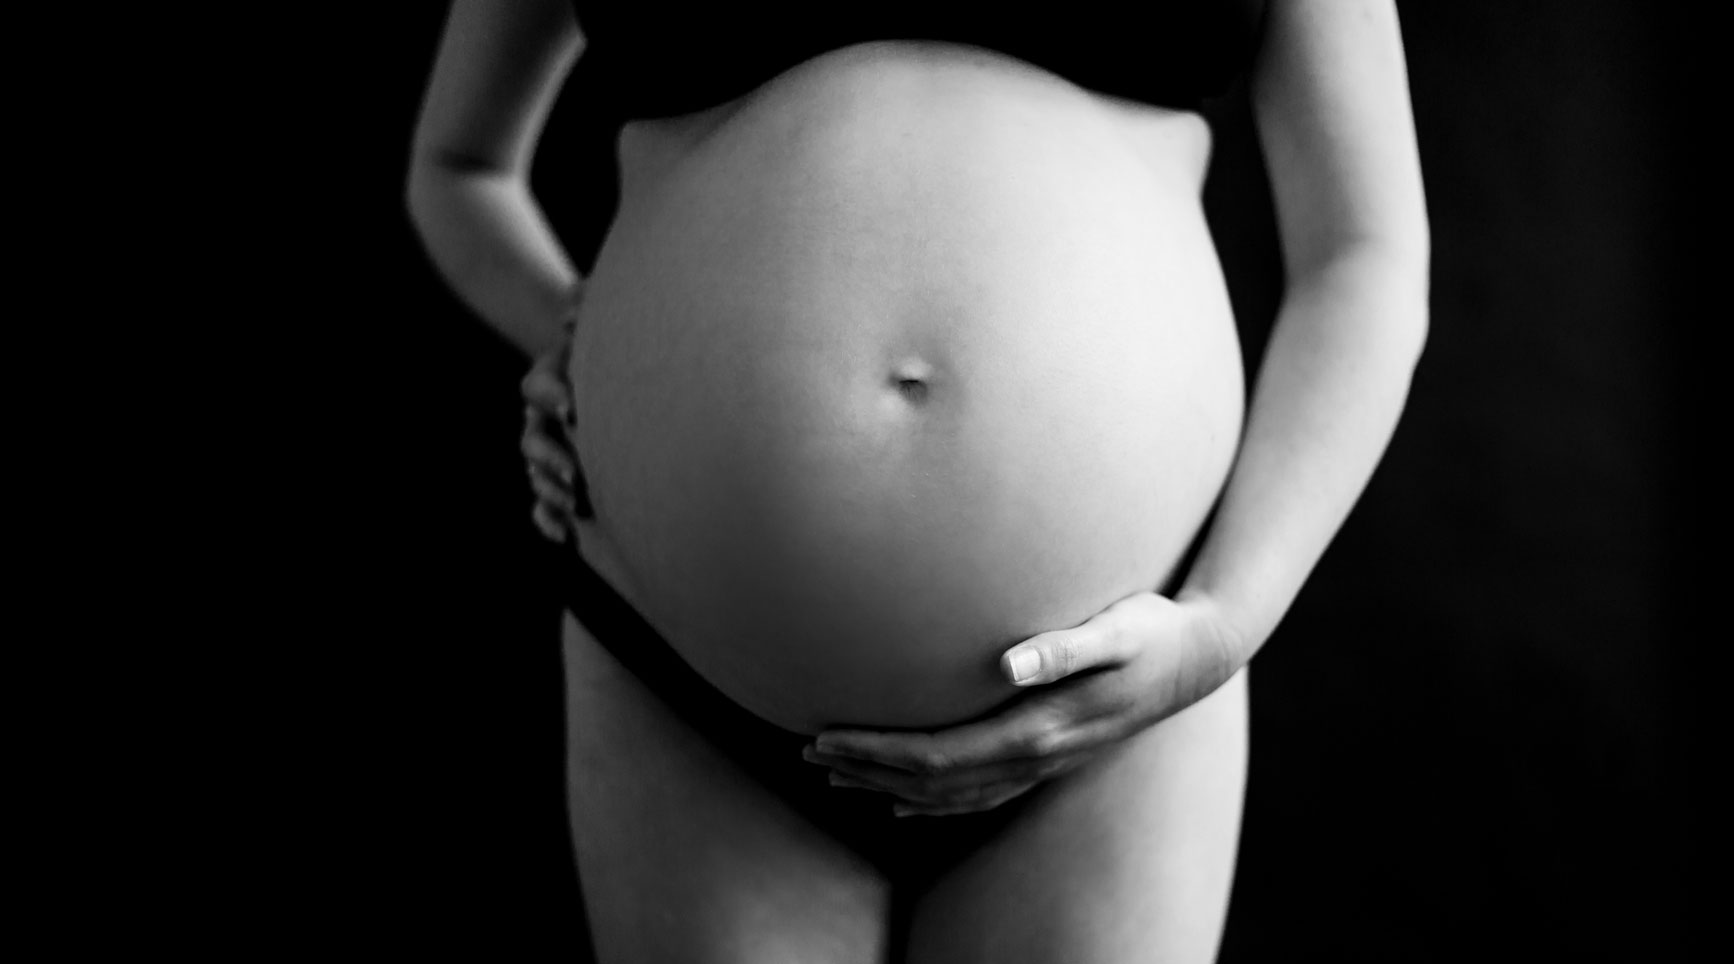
<point>1332,107</point>
<point>1331,100</point>
<point>552,467</point>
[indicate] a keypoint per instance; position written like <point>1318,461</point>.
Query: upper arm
<point>1331,96</point>
<point>499,67</point>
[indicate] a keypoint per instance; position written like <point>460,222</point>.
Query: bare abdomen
<point>914,353</point>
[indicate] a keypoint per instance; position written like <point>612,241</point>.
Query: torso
<point>912,353</point>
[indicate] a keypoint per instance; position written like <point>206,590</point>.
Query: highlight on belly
<point>927,359</point>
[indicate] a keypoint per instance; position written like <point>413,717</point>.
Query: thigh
<point>685,858</point>
<point>1128,860</point>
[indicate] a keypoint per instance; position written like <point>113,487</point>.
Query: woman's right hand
<point>561,495</point>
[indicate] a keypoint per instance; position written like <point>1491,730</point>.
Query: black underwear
<point>910,851</point>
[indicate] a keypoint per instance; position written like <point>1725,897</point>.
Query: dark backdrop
<point>1468,737</point>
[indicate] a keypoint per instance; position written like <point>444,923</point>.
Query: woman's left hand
<point>1139,661</point>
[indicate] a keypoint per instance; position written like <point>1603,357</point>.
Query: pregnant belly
<point>912,354</point>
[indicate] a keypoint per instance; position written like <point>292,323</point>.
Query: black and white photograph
<point>1210,481</point>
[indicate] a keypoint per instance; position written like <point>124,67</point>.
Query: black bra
<point>645,60</point>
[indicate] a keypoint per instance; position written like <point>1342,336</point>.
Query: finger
<point>1034,729</point>
<point>542,452</point>
<point>948,788</point>
<point>941,784</point>
<point>542,386</point>
<point>550,403</point>
<point>851,783</point>
<point>1049,657</point>
<point>547,523</point>
<point>545,390</point>
<point>540,421</point>
<point>551,494</point>
<point>554,359</point>
<point>988,799</point>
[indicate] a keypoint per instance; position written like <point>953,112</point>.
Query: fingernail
<point>809,754</point>
<point>902,810</point>
<point>1025,664</point>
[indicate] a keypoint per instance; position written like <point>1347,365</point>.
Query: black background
<point>1470,737</point>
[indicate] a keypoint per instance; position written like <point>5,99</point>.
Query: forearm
<point>490,241</point>
<point>1333,383</point>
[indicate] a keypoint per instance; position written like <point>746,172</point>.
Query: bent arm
<point>1331,96</point>
<point>499,67</point>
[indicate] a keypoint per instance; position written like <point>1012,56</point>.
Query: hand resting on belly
<point>899,365</point>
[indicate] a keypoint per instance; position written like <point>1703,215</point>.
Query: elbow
<point>1404,285</point>
<point>443,184</point>
<point>438,178</point>
<point>1419,330</point>
<point>1410,264</point>
<point>417,196</point>
<point>418,183</point>
<point>427,186</point>
<point>416,180</point>
<point>1396,259</point>
<point>1401,270</point>
<point>1378,285</point>
<point>408,199</point>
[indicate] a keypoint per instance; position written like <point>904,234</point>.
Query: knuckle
<point>1114,639</point>
<point>1067,653</point>
<point>552,496</point>
<point>986,794</point>
<point>932,761</point>
<point>1044,738</point>
<point>1048,769</point>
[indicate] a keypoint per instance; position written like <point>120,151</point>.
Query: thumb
<point>1058,654</point>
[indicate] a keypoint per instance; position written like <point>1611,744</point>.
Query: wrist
<point>1220,626</point>
<point>573,303</point>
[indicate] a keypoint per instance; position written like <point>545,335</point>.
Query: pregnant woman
<point>903,381</point>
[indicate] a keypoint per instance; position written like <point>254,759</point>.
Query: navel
<point>912,378</point>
